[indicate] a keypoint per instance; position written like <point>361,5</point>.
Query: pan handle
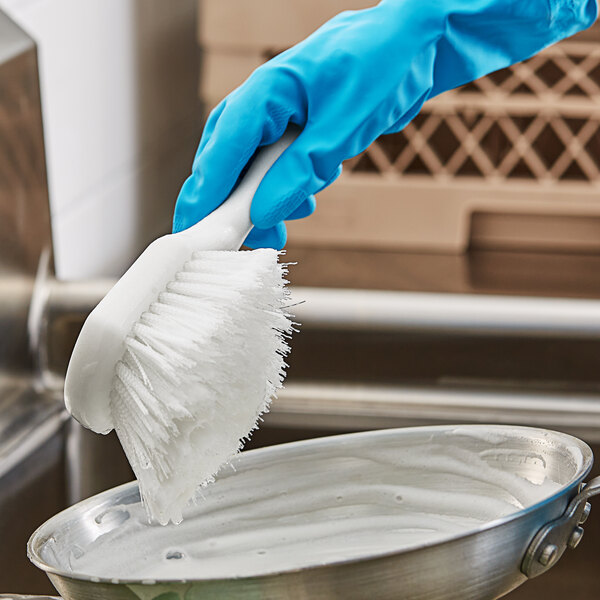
<point>553,539</point>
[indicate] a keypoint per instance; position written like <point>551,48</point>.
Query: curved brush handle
<point>231,221</point>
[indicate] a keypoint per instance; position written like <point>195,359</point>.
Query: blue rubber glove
<point>362,74</point>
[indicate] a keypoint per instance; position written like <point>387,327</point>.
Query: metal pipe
<point>69,303</point>
<point>338,406</point>
<point>373,310</point>
<point>77,297</point>
<point>367,310</point>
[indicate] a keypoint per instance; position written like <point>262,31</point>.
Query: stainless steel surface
<point>565,532</point>
<point>535,274</point>
<point>374,310</point>
<point>32,437</point>
<point>24,212</point>
<point>94,462</point>
<point>344,406</point>
<point>483,564</point>
<point>66,306</point>
<point>27,419</point>
<point>499,351</point>
<point>32,476</point>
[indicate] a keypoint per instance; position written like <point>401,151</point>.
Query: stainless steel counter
<point>32,476</point>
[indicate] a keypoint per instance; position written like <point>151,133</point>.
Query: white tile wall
<point>121,119</point>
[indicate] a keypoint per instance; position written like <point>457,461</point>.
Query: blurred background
<point>449,276</point>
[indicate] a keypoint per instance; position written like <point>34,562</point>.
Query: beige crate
<point>261,24</point>
<point>510,161</point>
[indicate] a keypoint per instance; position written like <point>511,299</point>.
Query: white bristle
<point>200,367</point>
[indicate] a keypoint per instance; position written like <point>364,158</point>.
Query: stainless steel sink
<point>32,421</point>
<point>36,477</point>
<point>32,477</point>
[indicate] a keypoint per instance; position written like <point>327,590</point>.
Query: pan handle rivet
<point>548,555</point>
<point>575,537</point>
<point>586,513</point>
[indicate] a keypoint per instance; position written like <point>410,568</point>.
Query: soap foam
<point>290,509</point>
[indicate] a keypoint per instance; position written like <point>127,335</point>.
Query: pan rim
<point>37,538</point>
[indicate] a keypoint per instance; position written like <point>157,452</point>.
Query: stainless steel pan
<point>480,564</point>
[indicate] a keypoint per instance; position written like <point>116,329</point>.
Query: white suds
<point>200,367</point>
<point>314,503</point>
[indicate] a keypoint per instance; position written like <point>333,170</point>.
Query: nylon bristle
<point>200,367</point>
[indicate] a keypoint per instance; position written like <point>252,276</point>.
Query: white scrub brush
<point>186,351</point>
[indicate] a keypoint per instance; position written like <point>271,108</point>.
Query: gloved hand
<point>362,74</point>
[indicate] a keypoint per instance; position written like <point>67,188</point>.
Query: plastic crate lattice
<point>539,120</point>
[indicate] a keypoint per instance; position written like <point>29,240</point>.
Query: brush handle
<point>227,227</point>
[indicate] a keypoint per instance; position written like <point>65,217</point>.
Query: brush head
<point>183,356</point>
<point>199,367</point>
<point>182,363</point>
<point>101,342</point>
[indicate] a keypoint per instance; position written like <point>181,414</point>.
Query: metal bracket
<point>551,541</point>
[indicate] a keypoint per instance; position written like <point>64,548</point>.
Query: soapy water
<point>291,510</point>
